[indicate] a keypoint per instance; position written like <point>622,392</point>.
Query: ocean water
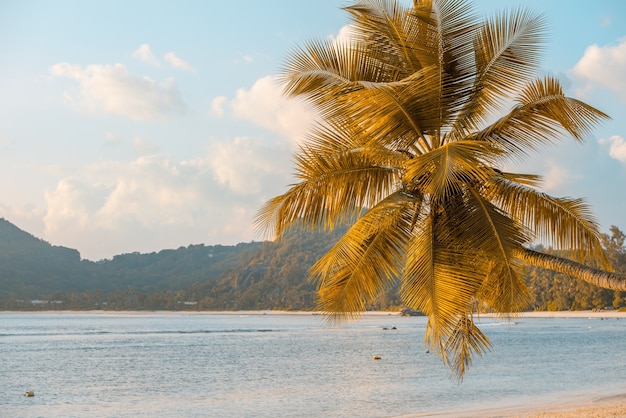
<point>231,365</point>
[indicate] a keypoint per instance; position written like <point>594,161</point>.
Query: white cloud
<point>112,89</point>
<point>177,62</point>
<point>265,105</point>
<point>344,34</point>
<point>144,53</point>
<point>154,202</point>
<point>72,201</point>
<point>603,66</point>
<point>143,147</point>
<point>246,165</point>
<point>112,139</point>
<point>555,178</point>
<point>617,147</point>
<point>27,217</point>
<point>217,106</point>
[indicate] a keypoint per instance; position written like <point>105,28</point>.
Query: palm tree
<point>409,152</point>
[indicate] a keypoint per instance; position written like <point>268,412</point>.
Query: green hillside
<point>33,269</point>
<point>245,276</point>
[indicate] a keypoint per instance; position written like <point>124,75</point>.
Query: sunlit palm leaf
<point>546,99</point>
<point>445,170</point>
<point>485,226</point>
<point>323,70</point>
<point>396,114</point>
<point>561,223</point>
<point>394,30</point>
<point>542,115</point>
<point>465,340</point>
<point>506,55</point>
<point>439,279</point>
<point>455,29</point>
<point>332,190</point>
<point>504,291</point>
<point>367,259</point>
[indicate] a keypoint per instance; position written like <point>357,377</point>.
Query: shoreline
<point>533,314</point>
<point>564,314</point>
<point>599,405</point>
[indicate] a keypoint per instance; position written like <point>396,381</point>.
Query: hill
<point>31,268</point>
<point>268,275</point>
<point>244,276</point>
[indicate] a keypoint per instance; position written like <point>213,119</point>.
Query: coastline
<point>534,314</point>
<point>588,406</point>
<point>565,314</point>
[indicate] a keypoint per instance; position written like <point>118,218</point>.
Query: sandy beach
<point>574,314</point>
<point>613,406</point>
<point>584,406</point>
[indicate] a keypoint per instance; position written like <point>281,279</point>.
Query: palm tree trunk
<point>597,277</point>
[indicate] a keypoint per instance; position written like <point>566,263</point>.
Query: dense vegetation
<point>256,276</point>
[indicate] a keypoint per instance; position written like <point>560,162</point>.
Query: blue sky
<point>143,125</point>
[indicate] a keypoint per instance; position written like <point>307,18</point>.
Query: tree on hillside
<point>420,108</point>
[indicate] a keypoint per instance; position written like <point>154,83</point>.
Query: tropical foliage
<point>271,276</point>
<point>420,109</point>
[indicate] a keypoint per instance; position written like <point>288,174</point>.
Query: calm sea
<point>207,365</point>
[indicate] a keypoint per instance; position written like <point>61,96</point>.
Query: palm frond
<point>339,137</point>
<point>453,39</point>
<point>445,171</point>
<point>465,340</point>
<point>507,50</point>
<point>542,116</point>
<point>546,98</point>
<point>561,223</point>
<point>367,259</point>
<point>504,291</point>
<point>532,180</point>
<point>486,227</point>
<point>440,278</point>
<point>333,190</point>
<point>322,70</point>
<point>387,26</point>
<point>397,114</point>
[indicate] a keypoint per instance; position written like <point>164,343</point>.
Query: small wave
<point>498,324</point>
<point>54,334</point>
<point>216,331</point>
<point>144,332</point>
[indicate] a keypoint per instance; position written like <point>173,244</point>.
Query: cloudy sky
<point>147,124</point>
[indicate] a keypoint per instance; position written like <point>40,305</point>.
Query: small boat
<point>29,393</point>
